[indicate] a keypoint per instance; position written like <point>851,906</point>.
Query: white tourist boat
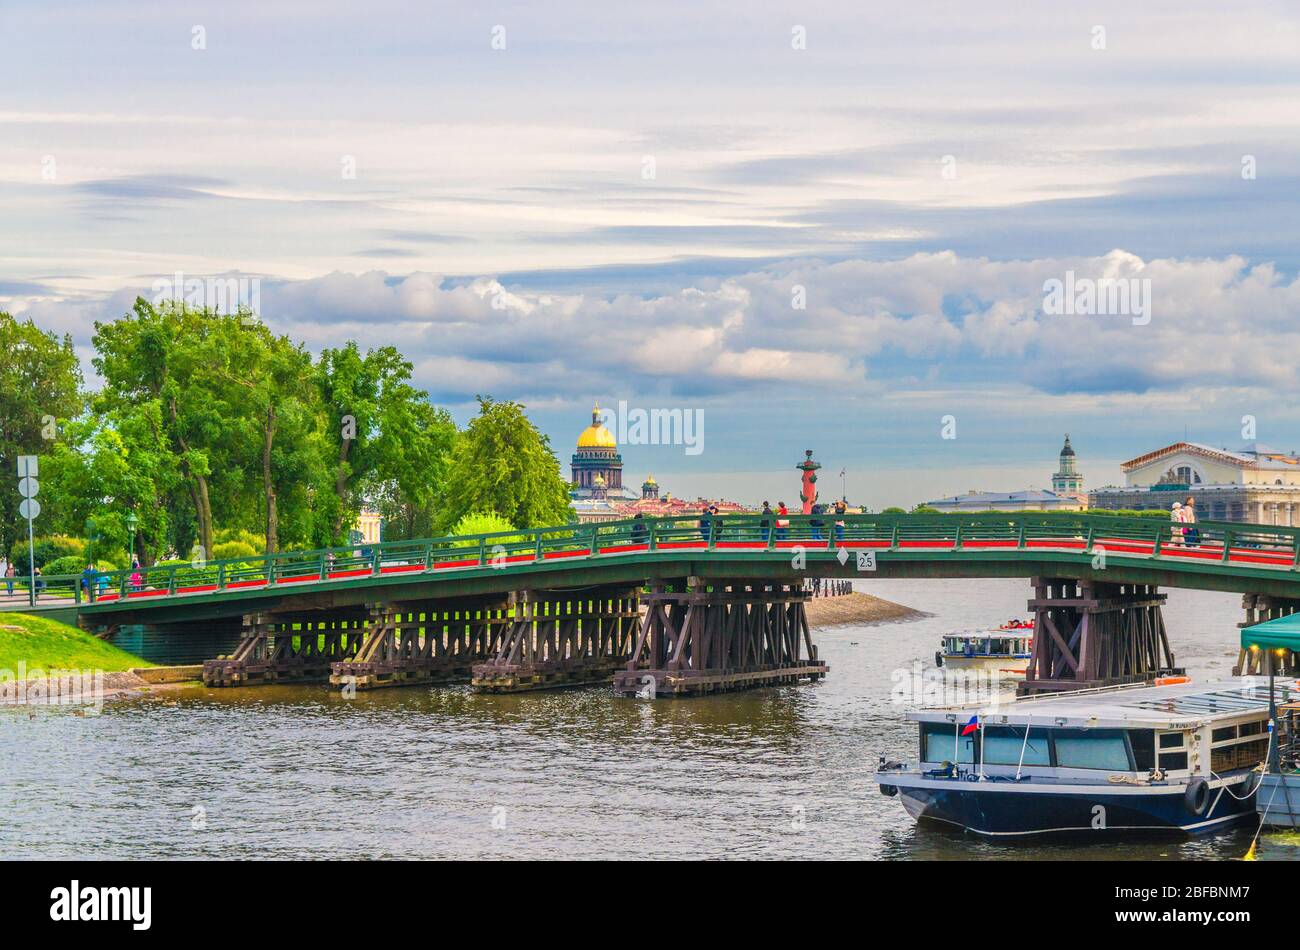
<point>1000,650</point>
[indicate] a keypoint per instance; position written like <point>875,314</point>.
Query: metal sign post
<point>29,508</point>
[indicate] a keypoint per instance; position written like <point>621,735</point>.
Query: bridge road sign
<point>29,508</point>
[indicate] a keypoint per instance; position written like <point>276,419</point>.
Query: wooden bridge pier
<point>561,639</point>
<point>1089,633</point>
<point>721,636</point>
<point>1261,607</point>
<point>415,644</point>
<point>292,647</point>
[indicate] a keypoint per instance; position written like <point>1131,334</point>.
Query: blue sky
<point>620,204</point>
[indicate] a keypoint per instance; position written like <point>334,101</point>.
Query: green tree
<point>502,463</point>
<point>40,387</point>
<point>389,444</point>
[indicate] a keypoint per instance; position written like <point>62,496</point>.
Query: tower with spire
<point>1068,480</point>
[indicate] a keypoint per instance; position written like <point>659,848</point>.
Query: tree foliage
<point>503,464</point>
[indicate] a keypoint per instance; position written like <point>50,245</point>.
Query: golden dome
<point>650,480</point>
<point>596,436</point>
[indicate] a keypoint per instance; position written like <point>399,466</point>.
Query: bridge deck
<point>1225,556</point>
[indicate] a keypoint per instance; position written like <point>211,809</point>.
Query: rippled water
<point>297,772</point>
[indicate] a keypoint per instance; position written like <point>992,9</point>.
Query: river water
<point>298,772</point>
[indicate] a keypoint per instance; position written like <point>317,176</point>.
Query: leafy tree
<point>482,522</point>
<point>40,385</point>
<point>502,463</point>
<point>391,444</point>
<point>925,510</point>
<point>152,361</point>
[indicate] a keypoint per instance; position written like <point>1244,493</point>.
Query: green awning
<point>1280,634</point>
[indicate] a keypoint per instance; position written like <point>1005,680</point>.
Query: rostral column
<point>808,490</point>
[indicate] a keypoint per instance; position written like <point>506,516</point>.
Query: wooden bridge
<point>673,606</point>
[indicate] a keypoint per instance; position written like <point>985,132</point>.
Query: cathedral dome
<point>596,436</point>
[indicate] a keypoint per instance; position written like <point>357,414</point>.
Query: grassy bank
<point>45,645</point>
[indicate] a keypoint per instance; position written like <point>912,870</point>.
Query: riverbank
<point>40,644</point>
<point>857,608</point>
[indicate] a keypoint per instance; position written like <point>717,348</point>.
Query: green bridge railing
<point>970,536</point>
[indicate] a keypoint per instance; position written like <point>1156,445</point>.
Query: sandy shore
<point>857,608</point>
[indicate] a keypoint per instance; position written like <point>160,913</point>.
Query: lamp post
<point>131,522</point>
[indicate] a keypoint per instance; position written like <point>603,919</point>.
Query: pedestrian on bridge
<point>1192,534</point>
<point>7,574</point>
<point>816,522</point>
<point>90,581</point>
<point>765,523</point>
<point>705,524</point>
<point>782,520</point>
<point>1176,516</point>
<point>639,533</point>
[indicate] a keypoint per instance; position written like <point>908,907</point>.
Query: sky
<point>826,226</point>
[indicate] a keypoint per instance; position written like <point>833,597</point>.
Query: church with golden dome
<point>597,466</point>
<point>596,483</point>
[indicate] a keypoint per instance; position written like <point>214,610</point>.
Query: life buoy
<point>889,790</point>
<point>938,658</point>
<point>1197,797</point>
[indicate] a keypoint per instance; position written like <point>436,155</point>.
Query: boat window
<point>1223,734</point>
<point>939,742</point>
<point>1143,744</point>
<point>1091,749</point>
<point>1238,755</point>
<point>1003,744</point>
<point>1173,761</point>
<point>1252,728</point>
<point>1171,740</point>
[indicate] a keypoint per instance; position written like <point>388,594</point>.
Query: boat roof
<point>1176,706</point>
<point>1019,633</point>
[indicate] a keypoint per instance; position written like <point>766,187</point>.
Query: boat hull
<point>1278,800</point>
<point>1009,665</point>
<point>996,810</point>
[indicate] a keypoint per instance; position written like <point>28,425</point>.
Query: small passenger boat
<point>1177,758</point>
<point>1005,649</point>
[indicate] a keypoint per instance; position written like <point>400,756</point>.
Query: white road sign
<point>29,508</point>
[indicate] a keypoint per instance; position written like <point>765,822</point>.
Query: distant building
<point>597,493</point>
<point>1257,483</point>
<point>369,527</point>
<point>1066,495</point>
<point>1031,499</point>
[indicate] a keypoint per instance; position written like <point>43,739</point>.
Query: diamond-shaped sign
<point>842,556</point>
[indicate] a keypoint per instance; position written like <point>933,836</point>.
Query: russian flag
<point>972,726</point>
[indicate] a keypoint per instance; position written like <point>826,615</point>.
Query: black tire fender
<point>1197,797</point>
<point>889,790</point>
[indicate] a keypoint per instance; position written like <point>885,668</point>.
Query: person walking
<point>639,532</point>
<point>1193,534</point>
<point>705,524</point>
<point>816,523</point>
<point>89,581</point>
<point>1176,516</point>
<point>782,520</point>
<point>136,579</point>
<point>840,508</point>
<point>765,522</point>
<point>4,572</point>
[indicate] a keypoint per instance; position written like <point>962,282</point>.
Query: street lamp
<point>90,540</point>
<point>131,522</point>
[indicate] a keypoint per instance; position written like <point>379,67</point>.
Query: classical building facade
<point>1256,483</point>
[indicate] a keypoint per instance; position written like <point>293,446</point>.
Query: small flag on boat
<point>972,726</point>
